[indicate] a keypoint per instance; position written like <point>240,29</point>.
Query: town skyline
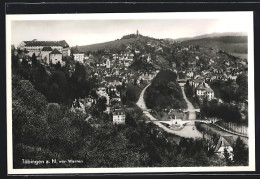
<point>87,32</point>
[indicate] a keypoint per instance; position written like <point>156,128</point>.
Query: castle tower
<point>137,33</point>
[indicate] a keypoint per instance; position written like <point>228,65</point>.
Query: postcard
<point>130,92</point>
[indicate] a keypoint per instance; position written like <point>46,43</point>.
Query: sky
<point>85,32</point>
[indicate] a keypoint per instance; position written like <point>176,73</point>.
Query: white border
<point>124,16</point>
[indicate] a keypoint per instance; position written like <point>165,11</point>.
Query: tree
<point>34,60</point>
<point>240,152</point>
<point>14,61</point>
<point>58,66</point>
<point>227,157</point>
<point>80,73</point>
<point>53,113</point>
<point>242,91</point>
<point>100,107</point>
<point>129,120</point>
<point>132,93</point>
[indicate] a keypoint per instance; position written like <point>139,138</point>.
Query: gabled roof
<point>198,80</point>
<point>119,112</point>
<point>209,90</point>
<point>61,43</point>
<point>55,51</point>
<point>224,141</point>
<point>201,87</point>
<point>46,49</point>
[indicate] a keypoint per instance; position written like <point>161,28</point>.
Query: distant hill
<point>235,45</point>
<point>105,45</point>
<point>127,39</point>
<point>211,35</point>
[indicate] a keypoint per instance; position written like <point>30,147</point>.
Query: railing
<point>229,131</point>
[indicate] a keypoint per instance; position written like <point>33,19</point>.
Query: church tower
<point>137,33</point>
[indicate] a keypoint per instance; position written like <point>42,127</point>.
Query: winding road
<point>189,131</point>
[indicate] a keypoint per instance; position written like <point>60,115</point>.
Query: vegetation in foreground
<point>43,131</point>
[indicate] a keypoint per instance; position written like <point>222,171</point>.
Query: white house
<point>79,57</point>
<point>119,116</point>
<point>225,142</point>
<point>202,91</point>
<point>108,65</point>
<point>196,82</point>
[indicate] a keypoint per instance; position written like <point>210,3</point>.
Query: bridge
<point>180,122</point>
<point>191,110</point>
<point>184,80</point>
<point>146,110</point>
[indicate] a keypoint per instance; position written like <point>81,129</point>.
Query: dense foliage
<point>164,92</point>
<point>232,90</point>
<point>49,131</point>
<point>190,93</point>
<point>227,112</point>
<point>141,65</point>
<point>58,84</point>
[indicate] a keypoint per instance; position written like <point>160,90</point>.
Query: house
<point>108,65</point>
<point>225,142</point>
<point>35,46</point>
<point>79,57</point>
<point>78,104</point>
<point>56,57</point>
<point>173,65</point>
<point>203,91</point>
<point>190,74</point>
<point>101,92</point>
<point>119,116</point>
<point>196,82</point>
<point>148,58</point>
<point>89,101</point>
<point>111,88</point>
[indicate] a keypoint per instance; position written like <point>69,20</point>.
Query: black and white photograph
<point>130,92</point>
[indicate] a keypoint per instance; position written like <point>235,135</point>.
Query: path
<point>189,131</point>
<point>192,114</point>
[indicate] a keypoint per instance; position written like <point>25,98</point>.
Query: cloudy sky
<point>84,32</point>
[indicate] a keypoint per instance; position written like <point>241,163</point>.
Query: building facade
<point>56,57</point>
<point>119,116</point>
<point>79,57</point>
<point>202,91</point>
<point>39,47</point>
<point>45,54</point>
